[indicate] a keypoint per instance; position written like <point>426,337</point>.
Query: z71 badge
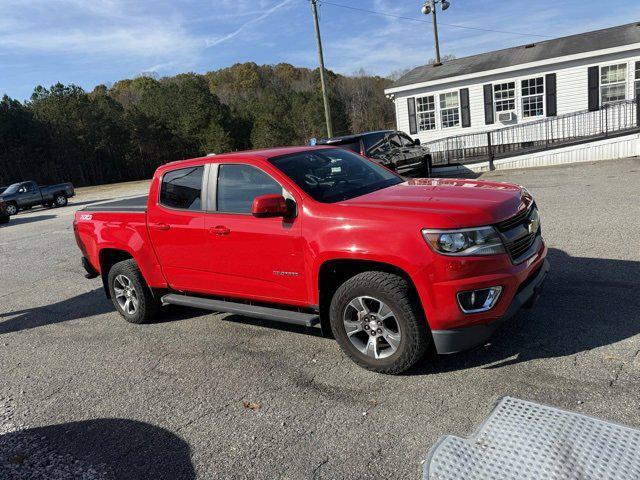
<point>286,274</point>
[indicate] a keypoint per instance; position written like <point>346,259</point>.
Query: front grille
<point>509,223</point>
<point>519,247</point>
<point>516,236</point>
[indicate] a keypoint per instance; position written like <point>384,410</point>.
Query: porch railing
<point>552,132</point>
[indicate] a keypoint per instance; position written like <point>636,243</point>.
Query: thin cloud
<point>239,30</point>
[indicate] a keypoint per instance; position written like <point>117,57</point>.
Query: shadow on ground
<point>101,449</point>
<point>15,221</point>
<point>84,305</point>
<point>462,172</point>
<point>586,303</point>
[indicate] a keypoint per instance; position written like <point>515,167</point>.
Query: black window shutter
<point>552,97</point>
<point>594,88</point>
<point>488,104</point>
<point>464,107</point>
<point>411,107</point>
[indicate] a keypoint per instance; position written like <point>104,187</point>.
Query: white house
<point>520,84</point>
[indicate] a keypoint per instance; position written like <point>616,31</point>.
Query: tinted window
<point>406,141</point>
<point>375,143</point>
<point>394,141</point>
<point>182,188</point>
<point>333,175</point>
<point>238,185</point>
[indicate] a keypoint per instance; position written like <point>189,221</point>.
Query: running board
<point>267,313</point>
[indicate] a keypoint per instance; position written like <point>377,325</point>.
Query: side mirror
<point>268,206</point>
<point>416,141</point>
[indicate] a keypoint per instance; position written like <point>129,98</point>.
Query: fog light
<point>476,301</point>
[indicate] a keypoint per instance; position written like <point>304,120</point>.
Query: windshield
<point>333,175</point>
<point>12,188</point>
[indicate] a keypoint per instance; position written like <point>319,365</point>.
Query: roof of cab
<point>244,155</point>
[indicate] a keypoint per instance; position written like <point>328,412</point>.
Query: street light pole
<point>325,98</point>
<point>435,32</point>
<point>429,7</point>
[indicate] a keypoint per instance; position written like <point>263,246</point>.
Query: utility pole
<point>435,32</point>
<point>430,7</point>
<point>323,81</point>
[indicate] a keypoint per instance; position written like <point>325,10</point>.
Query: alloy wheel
<point>126,294</point>
<point>372,327</point>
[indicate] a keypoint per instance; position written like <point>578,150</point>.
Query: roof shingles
<point>547,49</point>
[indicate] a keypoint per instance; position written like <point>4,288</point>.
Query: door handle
<point>161,226</point>
<point>220,230</point>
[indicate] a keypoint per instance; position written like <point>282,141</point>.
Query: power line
<point>323,2</point>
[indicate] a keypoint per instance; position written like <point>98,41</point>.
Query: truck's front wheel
<point>12,209</point>
<point>130,293</point>
<point>378,322</point>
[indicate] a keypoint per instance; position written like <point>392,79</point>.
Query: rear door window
<point>375,143</point>
<point>239,185</point>
<point>394,141</point>
<point>406,141</point>
<point>182,189</point>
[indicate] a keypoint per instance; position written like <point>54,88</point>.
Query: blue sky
<point>90,42</point>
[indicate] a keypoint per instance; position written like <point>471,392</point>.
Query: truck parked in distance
<point>393,149</point>
<point>24,195</point>
<point>320,235</point>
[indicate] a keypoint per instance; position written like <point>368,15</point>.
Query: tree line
<point>125,131</point>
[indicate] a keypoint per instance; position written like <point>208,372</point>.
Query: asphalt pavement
<point>83,394</point>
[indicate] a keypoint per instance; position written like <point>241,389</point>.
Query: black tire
<point>12,209</point>
<point>147,305</point>
<point>4,219</point>
<point>399,297</point>
<point>60,200</point>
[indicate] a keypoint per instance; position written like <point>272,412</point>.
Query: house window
<point>637,82</point>
<point>533,97</point>
<point>426,112</point>
<point>504,96</point>
<point>449,109</point>
<point>613,83</point>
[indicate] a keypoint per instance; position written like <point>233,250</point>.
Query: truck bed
<point>134,204</point>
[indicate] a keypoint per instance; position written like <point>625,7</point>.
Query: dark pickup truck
<point>24,195</point>
<point>390,148</point>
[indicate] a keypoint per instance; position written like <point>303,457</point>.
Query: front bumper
<point>459,339</point>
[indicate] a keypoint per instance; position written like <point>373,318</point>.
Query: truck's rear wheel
<point>130,294</point>
<point>12,209</point>
<point>378,323</point>
<point>60,200</point>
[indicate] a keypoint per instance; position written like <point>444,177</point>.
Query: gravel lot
<point>83,394</point>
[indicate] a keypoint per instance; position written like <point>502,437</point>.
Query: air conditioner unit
<point>506,116</point>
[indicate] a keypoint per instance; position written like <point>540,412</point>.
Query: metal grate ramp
<point>525,440</point>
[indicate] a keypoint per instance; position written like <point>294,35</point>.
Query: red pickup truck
<point>321,235</point>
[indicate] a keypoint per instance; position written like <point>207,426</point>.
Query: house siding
<point>571,91</point>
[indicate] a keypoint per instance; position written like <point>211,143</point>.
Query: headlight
<point>468,241</point>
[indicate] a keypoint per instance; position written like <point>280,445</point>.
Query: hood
<point>468,203</point>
